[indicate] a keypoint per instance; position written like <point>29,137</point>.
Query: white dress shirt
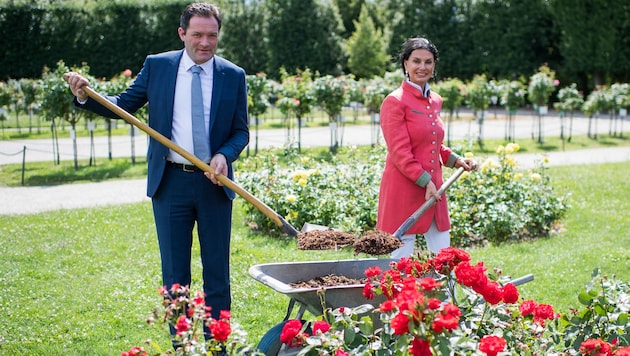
<point>182,111</point>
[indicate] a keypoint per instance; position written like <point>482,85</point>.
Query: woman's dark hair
<point>414,43</point>
<point>200,9</point>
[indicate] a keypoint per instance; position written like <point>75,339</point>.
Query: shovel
<point>427,204</point>
<point>279,220</point>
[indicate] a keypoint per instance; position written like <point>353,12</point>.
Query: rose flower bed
<point>440,306</point>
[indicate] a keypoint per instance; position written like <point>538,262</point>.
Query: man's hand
<point>77,82</point>
<point>218,163</point>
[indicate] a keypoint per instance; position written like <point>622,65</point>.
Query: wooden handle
<point>427,204</point>
<point>279,220</point>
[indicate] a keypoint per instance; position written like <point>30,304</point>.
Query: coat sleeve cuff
<point>452,159</point>
<point>424,179</point>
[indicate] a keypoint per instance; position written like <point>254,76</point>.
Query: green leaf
<point>585,298</point>
<point>349,335</point>
<point>600,310</point>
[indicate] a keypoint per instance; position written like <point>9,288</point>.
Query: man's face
<point>201,38</point>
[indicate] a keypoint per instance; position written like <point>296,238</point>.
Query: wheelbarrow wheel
<point>270,343</point>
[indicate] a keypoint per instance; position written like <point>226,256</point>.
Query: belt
<point>190,168</point>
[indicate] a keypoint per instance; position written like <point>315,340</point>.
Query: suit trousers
<point>182,199</point>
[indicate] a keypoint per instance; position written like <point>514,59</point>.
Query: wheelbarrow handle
<point>427,204</point>
<point>226,181</point>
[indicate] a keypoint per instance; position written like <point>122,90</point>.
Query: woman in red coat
<point>414,134</point>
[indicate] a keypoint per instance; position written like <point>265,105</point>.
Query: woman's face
<point>420,66</point>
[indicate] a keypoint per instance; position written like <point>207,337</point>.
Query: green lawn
<point>82,282</point>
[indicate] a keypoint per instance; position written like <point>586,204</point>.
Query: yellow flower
<point>535,177</point>
<point>545,160</point>
<point>489,164</point>
<point>304,159</point>
<point>294,214</point>
<point>291,198</point>
<point>302,181</point>
<point>511,162</point>
<point>468,154</point>
<point>500,149</point>
<point>518,176</point>
<point>297,175</point>
<point>465,175</point>
<point>512,148</point>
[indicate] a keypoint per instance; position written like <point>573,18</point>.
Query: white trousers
<point>436,240</point>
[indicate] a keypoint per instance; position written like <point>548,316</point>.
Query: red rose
<point>374,271</point>
<point>434,303</point>
<point>420,347</point>
<point>368,292</point>
<point>320,326</point>
<point>510,293</point>
<point>596,347</point>
<point>400,324</point>
<point>183,325</point>
<point>387,306</point>
<point>225,314</point>
<point>135,351</point>
<point>429,284</point>
<point>527,307</point>
<point>622,351</point>
<point>543,312</point>
<point>220,330</point>
<point>445,321</point>
<point>340,352</point>
<point>492,293</point>
<point>492,345</point>
<point>290,330</point>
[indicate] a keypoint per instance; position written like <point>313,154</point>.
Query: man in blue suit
<point>181,194</point>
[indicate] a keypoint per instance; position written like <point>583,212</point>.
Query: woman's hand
<point>467,163</point>
<point>431,191</point>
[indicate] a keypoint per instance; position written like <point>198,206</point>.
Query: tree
<point>349,11</point>
<point>258,89</point>
<point>512,96</point>
<point>367,55</point>
<point>242,35</point>
<point>451,92</point>
<point>569,100</point>
<point>330,92</point>
<point>512,37</point>
<point>297,96</point>
<point>541,85</point>
<point>595,44</point>
<point>478,99</point>
<point>304,34</point>
<point>57,102</point>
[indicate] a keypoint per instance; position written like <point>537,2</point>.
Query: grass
<point>82,282</point>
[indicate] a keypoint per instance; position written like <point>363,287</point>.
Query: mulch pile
<point>328,281</point>
<point>324,240</point>
<point>374,243</point>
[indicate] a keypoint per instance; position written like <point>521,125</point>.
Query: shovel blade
<point>314,227</point>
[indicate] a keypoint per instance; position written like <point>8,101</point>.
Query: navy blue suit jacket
<point>155,84</point>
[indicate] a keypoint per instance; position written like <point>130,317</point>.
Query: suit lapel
<point>217,87</point>
<point>169,81</point>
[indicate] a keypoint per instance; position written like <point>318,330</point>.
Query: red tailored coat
<point>414,133</point>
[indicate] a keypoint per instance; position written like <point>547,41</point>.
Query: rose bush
<point>445,305</point>
<point>448,306</point>
<point>500,202</point>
